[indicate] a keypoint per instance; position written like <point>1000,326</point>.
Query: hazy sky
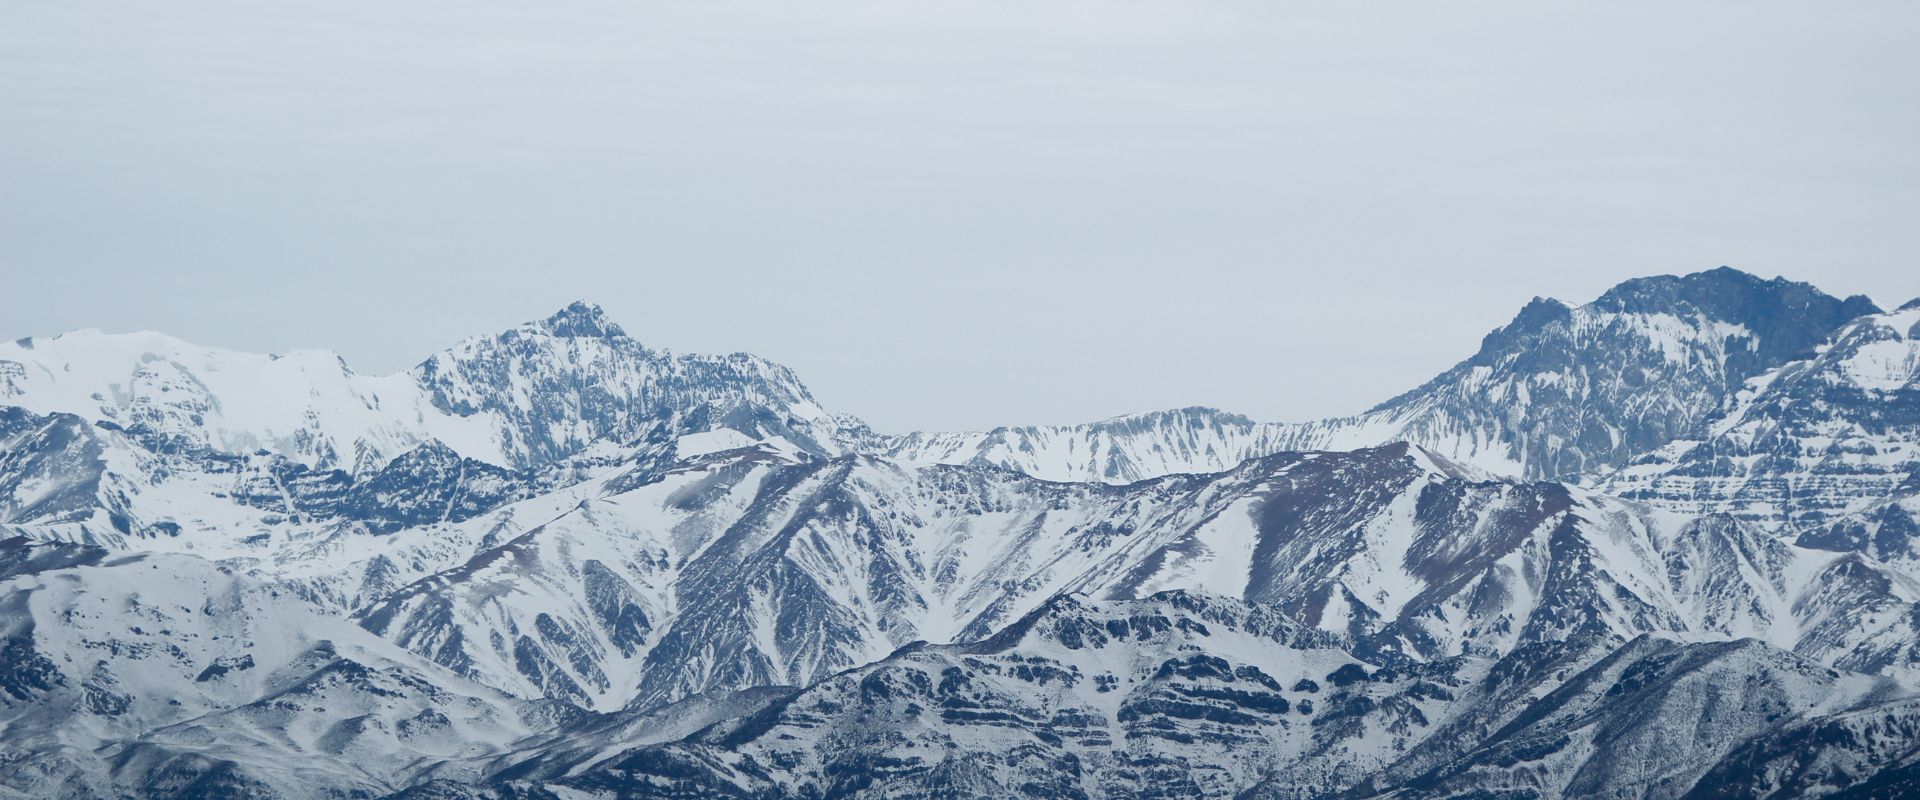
<point>947,215</point>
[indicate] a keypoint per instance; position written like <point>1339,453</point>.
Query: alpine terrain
<point>1663,544</point>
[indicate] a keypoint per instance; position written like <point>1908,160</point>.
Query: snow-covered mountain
<point>1183,695</point>
<point>555,562</point>
<point>1833,434</point>
<point>744,569</point>
<point>1119,450</point>
<point>1559,392</point>
<point>170,676</point>
<point>520,399</point>
<point>141,436</point>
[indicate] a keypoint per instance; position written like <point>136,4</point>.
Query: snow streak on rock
<point>1659,545</point>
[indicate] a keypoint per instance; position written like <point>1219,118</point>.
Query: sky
<point>951,215</point>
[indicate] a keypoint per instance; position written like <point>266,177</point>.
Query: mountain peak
<point>1657,293</point>
<point>1538,314</point>
<point>1785,316</point>
<point>580,319</point>
<point>1731,295</point>
<point>1188,414</point>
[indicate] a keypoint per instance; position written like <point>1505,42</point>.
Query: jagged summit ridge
<point>1728,293</point>
<point>553,561</point>
<point>1661,354</point>
<point>1820,438</point>
<point>1560,391</point>
<point>527,397</point>
<point>579,319</point>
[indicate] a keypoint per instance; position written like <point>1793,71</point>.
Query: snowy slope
<point>745,568</point>
<point>1185,695</point>
<point>306,405</point>
<point>1119,450</point>
<point>1862,753</point>
<point>159,674</point>
<point>1822,437</point>
<point>1178,696</point>
<point>1560,391</point>
<point>549,557</point>
<point>523,398</point>
<point>1650,720</point>
<point>134,440</point>
<point>555,387</point>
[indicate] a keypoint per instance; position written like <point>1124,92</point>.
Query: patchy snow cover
<point>538,393</point>
<point>1822,437</point>
<point>1182,694</point>
<point>1558,392</point>
<point>568,536</point>
<point>139,674</point>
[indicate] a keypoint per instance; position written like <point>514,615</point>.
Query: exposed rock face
<point>50,468</point>
<point>166,676</point>
<point>743,569</point>
<point>1659,545</point>
<point>1559,392</point>
<point>1857,754</point>
<point>1563,392</point>
<point>1183,695</point>
<point>531,396</point>
<point>556,387</point>
<point>1809,443</point>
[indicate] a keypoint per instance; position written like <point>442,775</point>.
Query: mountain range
<point>1662,544</point>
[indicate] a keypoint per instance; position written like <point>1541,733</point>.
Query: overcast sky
<point>949,215</point>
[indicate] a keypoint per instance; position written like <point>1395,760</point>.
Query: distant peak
<point>1173,414</point>
<point>1724,272</point>
<point>580,319</point>
<point>1911,305</point>
<point>1731,295</point>
<point>1542,308</point>
<point>1662,292</point>
<point>1537,315</point>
